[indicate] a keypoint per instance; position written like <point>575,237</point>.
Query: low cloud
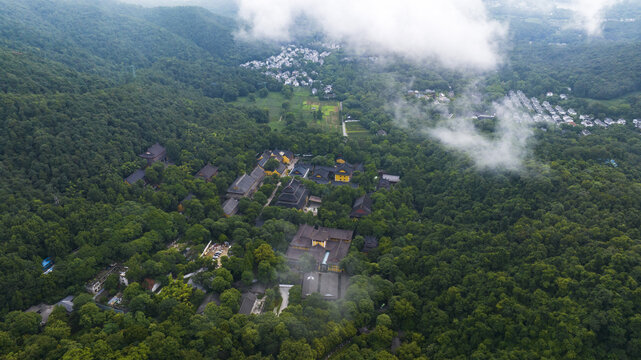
<point>222,7</point>
<point>506,148</point>
<point>153,3</point>
<point>589,14</point>
<point>457,33</point>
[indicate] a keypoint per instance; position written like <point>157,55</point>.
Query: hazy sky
<point>166,2</point>
<point>435,22</point>
<point>458,33</point>
<point>224,7</point>
<point>588,14</point>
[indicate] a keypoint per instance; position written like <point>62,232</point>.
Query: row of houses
<point>429,94</point>
<point>546,112</point>
<point>287,67</point>
<point>246,184</point>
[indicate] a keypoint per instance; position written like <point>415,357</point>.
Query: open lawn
<point>302,105</point>
<point>331,116</point>
<point>311,105</point>
<point>613,102</point>
<point>355,129</point>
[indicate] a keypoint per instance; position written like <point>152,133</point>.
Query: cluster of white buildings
<point>294,78</point>
<point>535,111</point>
<point>561,96</point>
<point>545,112</point>
<point>286,67</point>
<point>429,94</point>
<point>331,45</point>
<point>622,20</point>
<point>590,121</point>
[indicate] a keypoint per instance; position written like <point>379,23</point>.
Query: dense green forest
<point>549,56</point>
<point>538,264</point>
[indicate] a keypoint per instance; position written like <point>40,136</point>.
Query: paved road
<point>271,197</point>
<point>291,166</point>
<point>342,120</point>
<point>284,294</point>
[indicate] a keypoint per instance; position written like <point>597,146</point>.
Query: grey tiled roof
<point>135,176</point>
<point>230,207</point>
<point>207,172</point>
<point>337,243</point>
<point>362,206</point>
<point>247,304</point>
<point>242,185</point>
<point>294,195</point>
<point>153,151</point>
<point>245,183</point>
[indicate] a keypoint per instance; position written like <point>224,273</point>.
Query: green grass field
<point>311,105</point>
<point>355,129</point>
<point>612,102</point>
<point>331,116</point>
<point>302,105</point>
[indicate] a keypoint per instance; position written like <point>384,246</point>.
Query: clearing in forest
<point>355,129</point>
<point>302,105</point>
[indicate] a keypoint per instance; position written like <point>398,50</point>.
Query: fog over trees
<point>445,259</point>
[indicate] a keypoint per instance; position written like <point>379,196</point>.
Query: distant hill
<point>86,37</point>
<point>84,88</point>
<point>135,68</point>
<point>221,7</point>
<point>110,43</point>
<point>210,32</point>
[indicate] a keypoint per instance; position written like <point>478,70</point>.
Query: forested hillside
<point>541,263</point>
<point>596,70</point>
<point>115,42</point>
